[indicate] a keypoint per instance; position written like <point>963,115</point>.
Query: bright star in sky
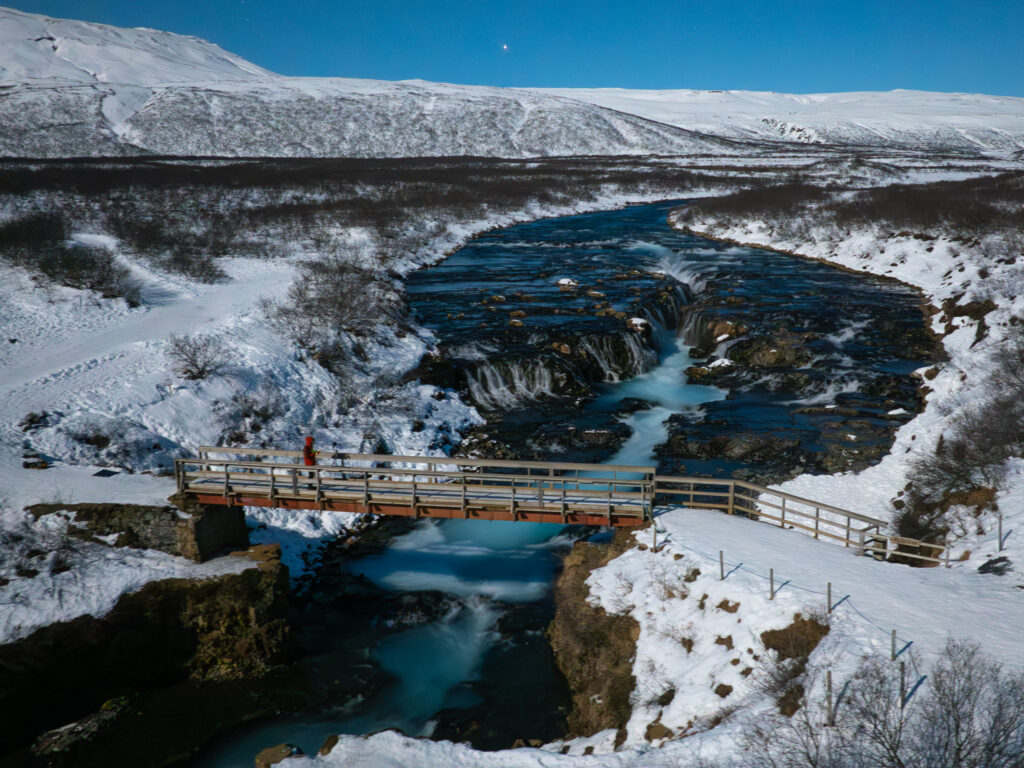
<point>504,46</point>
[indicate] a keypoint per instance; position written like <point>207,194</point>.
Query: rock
<point>657,731</point>
<point>329,744</point>
<point>35,464</point>
<point>632,405</point>
<point>33,421</point>
<point>274,755</point>
<point>998,566</point>
<point>781,349</point>
<point>201,533</point>
<point>593,649</point>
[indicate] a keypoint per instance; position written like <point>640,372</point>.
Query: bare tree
<point>197,357</point>
<point>970,714</point>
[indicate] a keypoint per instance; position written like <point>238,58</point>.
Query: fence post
<point>1000,532</point>
<point>892,650</point>
<point>732,497</point>
<point>903,684</point>
<point>782,523</point>
<point>771,583</point>
<point>828,693</point>
<point>947,557</point>
<point>721,566</point>
<point>817,520</point>
<point>829,598</point>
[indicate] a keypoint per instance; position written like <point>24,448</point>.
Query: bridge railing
<point>621,491</point>
<point>821,520</point>
<point>625,490</point>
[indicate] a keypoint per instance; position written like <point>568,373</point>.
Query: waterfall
<point>621,356</point>
<point>505,384</point>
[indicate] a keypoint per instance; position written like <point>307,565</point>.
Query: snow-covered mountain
<point>70,88</point>
<point>904,119</point>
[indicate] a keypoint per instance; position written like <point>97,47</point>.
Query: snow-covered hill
<point>69,88</point>
<point>907,119</point>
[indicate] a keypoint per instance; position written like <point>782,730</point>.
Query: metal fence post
<point>771,583</point>
<point>721,566</point>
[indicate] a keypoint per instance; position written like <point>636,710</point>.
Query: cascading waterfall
<point>506,384</point>
<point>608,352</point>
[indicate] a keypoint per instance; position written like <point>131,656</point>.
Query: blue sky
<point>789,45</point>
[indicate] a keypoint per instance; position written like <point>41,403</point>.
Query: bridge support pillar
<point>209,529</point>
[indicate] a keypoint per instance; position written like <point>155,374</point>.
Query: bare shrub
<point>193,263</point>
<point>973,451</point>
<point>968,714</point>
<point>197,357</point>
<point>332,298</point>
<point>39,242</point>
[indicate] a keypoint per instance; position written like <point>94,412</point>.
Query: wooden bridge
<point>533,491</point>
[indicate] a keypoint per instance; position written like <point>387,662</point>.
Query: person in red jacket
<point>308,454</point>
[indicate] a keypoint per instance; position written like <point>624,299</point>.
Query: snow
<point>73,88</point>
<point>99,577</point>
<point>900,118</point>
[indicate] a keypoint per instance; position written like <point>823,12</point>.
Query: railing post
<point>227,483</point>
<point>817,520</point>
<point>366,489</point>
<point>271,496</point>
<point>771,583</point>
<point>316,471</point>
<point>732,497</point>
<point>782,523</point>
<point>512,502</point>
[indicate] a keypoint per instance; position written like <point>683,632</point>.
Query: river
<point>497,308</point>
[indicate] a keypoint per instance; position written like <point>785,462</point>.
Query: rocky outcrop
<point>177,634</point>
<point>593,648</point>
<point>195,531</point>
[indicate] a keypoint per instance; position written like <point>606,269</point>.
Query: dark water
<point>859,336</point>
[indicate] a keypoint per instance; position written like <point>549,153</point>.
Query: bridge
<point>534,491</point>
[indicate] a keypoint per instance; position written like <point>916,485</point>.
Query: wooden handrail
<point>588,486</point>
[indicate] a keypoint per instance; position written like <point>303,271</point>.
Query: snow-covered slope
<point>70,88</point>
<point>909,119</point>
<point>37,48</point>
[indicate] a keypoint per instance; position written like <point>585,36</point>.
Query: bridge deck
<point>484,489</point>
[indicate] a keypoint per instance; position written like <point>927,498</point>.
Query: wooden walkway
<point>534,491</point>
